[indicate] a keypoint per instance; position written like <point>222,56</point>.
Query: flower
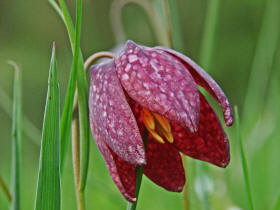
<point>155,89</point>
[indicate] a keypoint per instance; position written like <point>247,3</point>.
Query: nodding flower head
<point>155,90</point>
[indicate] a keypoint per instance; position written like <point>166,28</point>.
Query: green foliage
<point>82,96</point>
<point>48,186</point>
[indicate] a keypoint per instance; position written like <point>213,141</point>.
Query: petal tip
<point>180,188</point>
<point>133,200</point>
<point>130,43</point>
<point>129,198</point>
<point>225,164</point>
<point>229,122</point>
<point>228,115</point>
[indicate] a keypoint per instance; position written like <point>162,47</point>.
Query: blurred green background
<point>242,55</point>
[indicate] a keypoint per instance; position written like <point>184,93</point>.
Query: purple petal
<point>209,143</point>
<point>164,165</point>
<point>112,120</point>
<point>122,173</point>
<point>160,83</point>
<point>206,81</point>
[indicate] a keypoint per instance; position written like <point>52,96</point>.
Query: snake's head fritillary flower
<point>155,89</point>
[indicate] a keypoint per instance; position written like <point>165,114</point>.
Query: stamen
<point>157,125</point>
<point>156,136</point>
<point>149,123</point>
<point>148,119</point>
<point>163,122</point>
<point>168,135</point>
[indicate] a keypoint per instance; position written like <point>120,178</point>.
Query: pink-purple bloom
<point>155,89</point>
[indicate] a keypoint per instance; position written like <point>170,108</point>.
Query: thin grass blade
<point>82,97</point>
<point>48,187</point>
<point>243,161</point>
<point>16,139</point>
<point>29,129</point>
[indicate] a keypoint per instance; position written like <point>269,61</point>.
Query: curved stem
<point>5,189</point>
<point>76,155</point>
<point>150,10</point>
<point>76,158</point>
<point>97,56</point>
<point>76,136</point>
<point>90,60</point>
<point>168,23</point>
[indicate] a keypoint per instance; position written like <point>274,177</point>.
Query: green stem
<point>243,161</point>
<point>16,139</point>
<point>139,175</point>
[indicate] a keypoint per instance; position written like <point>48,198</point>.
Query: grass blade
<point>57,9</point>
<point>16,139</point>
<point>29,129</point>
<point>76,148</point>
<point>243,160</point>
<point>48,186</point>
<point>80,170</point>
<point>82,97</point>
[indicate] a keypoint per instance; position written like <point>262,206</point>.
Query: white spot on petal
<point>132,58</point>
<point>127,68</point>
<point>154,65</point>
<point>125,77</point>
